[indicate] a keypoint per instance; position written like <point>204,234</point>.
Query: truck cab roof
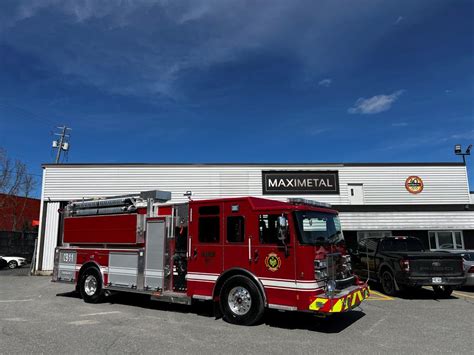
<point>263,204</point>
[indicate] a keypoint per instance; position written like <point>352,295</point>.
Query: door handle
<point>255,255</point>
<point>195,253</point>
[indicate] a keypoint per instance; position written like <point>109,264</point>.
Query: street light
<point>458,151</point>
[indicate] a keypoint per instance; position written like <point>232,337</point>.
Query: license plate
<point>436,280</point>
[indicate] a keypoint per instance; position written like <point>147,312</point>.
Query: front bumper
<point>428,281</point>
<point>343,301</point>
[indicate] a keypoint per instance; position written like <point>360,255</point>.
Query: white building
<point>427,200</point>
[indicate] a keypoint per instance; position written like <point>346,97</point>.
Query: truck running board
<point>172,297</point>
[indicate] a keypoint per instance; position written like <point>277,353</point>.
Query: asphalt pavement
<point>37,316</point>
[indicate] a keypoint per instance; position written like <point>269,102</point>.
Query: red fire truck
<point>244,254</point>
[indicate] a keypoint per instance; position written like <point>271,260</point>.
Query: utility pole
<point>62,144</point>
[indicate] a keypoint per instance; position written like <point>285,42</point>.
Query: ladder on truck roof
<point>115,204</point>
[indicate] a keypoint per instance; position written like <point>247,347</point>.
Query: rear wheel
<point>12,264</point>
<point>388,283</point>
<point>241,302</point>
<point>90,286</point>
<point>443,291</point>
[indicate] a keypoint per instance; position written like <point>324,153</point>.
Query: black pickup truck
<point>399,263</point>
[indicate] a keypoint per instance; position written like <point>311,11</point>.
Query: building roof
<point>74,165</point>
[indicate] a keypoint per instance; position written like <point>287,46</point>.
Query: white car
<point>14,261</point>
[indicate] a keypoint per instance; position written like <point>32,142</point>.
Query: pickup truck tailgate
<point>436,267</point>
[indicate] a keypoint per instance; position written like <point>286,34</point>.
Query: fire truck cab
<point>244,254</point>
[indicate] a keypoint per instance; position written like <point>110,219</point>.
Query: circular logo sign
<point>272,262</point>
<point>414,184</point>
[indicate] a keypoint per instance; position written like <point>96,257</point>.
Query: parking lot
<point>39,316</point>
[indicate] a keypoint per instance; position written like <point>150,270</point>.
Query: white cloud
<point>463,135</point>
<point>375,104</point>
<point>316,131</point>
<point>399,19</point>
<point>325,82</point>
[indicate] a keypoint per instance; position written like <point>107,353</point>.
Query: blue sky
<point>237,81</point>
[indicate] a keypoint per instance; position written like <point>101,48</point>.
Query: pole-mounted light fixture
<point>458,151</point>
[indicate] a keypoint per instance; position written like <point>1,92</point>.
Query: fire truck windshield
<point>318,228</point>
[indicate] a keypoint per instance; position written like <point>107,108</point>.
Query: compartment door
<point>154,255</point>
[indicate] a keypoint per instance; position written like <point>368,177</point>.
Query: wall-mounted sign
<point>414,184</point>
<point>277,182</point>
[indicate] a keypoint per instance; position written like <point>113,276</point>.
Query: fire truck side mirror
<point>283,232</point>
<point>282,228</point>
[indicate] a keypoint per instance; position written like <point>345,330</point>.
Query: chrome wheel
<point>90,285</point>
<point>239,300</point>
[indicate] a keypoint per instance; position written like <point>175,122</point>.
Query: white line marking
<point>84,322</point>
<point>9,301</point>
<point>457,293</point>
<point>371,329</point>
<point>99,313</point>
<point>15,319</point>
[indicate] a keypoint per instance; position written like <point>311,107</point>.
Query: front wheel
<point>90,286</point>
<point>443,291</point>
<point>12,264</point>
<point>241,302</point>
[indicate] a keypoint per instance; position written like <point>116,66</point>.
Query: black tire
<point>443,291</point>
<point>12,264</point>
<point>90,286</point>
<point>241,301</point>
<point>388,283</point>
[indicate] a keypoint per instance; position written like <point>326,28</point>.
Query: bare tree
<point>15,181</point>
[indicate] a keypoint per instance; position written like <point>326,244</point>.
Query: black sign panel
<point>300,182</point>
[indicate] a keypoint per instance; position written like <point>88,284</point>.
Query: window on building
<point>446,240</point>
<point>268,228</point>
<point>235,229</point>
<point>373,234</point>
<point>209,225</point>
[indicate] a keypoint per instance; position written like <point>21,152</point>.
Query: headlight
<point>331,286</point>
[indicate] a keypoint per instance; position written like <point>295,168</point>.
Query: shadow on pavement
<point>420,293</point>
<point>19,271</point>
<point>307,321</point>
<point>467,289</point>
<point>272,318</point>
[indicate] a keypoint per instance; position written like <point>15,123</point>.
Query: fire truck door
<point>271,261</point>
<point>237,228</point>
<point>205,250</point>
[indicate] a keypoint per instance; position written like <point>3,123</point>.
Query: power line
<point>62,144</point>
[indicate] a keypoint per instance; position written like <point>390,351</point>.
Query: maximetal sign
<point>300,182</point>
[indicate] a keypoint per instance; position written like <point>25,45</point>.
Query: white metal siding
<point>386,185</point>
<point>50,235</point>
<point>359,221</point>
<point>382,184</point>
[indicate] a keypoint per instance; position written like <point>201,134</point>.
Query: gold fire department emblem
<point>414,184</point>
<point>272,262</point>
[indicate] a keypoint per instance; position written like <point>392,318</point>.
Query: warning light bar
<point>303,201</point>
